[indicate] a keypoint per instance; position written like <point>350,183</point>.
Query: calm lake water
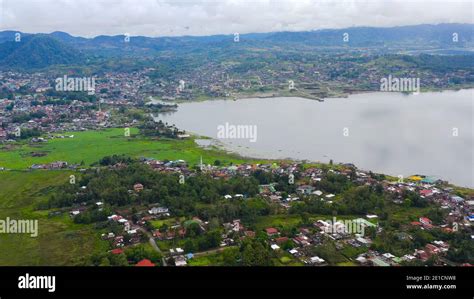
<point>391,133</point>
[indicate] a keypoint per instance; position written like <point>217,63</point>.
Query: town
<point>31,103</point>
<point>286,225</point>
<point>84,129</point>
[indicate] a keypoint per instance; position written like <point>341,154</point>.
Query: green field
<point>59,240</point>
<point>286,220</point>
<point>213,259</point>
<point>90,146</point>
<point>277,221</point>
<point>286,259</point>
<point>157,223</point>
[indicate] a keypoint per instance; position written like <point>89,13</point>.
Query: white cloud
<point>200,17</point>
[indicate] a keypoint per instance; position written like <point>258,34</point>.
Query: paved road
<point>153,244</point>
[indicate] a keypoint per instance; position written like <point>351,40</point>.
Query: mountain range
<point>36,51</point>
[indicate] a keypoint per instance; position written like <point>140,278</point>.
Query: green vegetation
<point>131,255</point>
<point>49,196</point>
<point>213,259</point>
<point>276,221</point>
<point>90,146</point>
<point>59,240</point>
<point>158,223</point>
<point>329,253</point>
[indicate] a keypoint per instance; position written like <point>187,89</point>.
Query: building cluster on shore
<point>302,243</point>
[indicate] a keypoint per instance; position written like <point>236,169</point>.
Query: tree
<point>370,232</point>
<point>163,228</point>
<point>407,203</point>
<point>436,215</point>
<point>214,223</point>
<point>421,238</point>
<point>104,262</point>
<point>189,246</point>
<point>193,230</point>
<point>288,245</point>
<point>305,219</point>
<point>118,260</point>
<point>362,200</point>
<point>136,254</point>
<point>255,254</point>
<point>231,256</point>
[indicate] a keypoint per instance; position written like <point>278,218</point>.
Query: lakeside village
<point>33,101</point>
<point>30,102</point>
<point>301,242</point>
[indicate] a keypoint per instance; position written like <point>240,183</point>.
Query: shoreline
<point>253,156</point>
<point>220,146</point>
<point>286,94</point>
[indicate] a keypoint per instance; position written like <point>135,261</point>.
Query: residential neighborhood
<point>312,240</point>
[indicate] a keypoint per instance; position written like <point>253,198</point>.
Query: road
<point>153,244</point>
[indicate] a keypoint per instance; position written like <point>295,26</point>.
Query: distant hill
<point>422,35</point>
<point>37,51</point>
<point>9,35</point>
<point>41,50</point>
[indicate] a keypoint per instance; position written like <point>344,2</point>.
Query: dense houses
<point>299,244</point>
<point>33,94</point>
<point>29,102</point>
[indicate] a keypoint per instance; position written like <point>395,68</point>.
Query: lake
<point>398,134</point>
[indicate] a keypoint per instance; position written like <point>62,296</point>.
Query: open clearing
<point>90,146</point>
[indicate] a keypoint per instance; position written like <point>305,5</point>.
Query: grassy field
<point>407,215</point>
<point>168,221</point>
<point>286,259</point>
<point>286,220</point>
<point>277,221</point>
<point>90,146</point>
<point>59,240</point>
<point>213,259</point>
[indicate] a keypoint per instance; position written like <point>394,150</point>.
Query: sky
<point>90,18</point>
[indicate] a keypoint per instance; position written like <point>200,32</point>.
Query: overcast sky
<point>200,17</point>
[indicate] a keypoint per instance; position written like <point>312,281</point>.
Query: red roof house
<point>250,233</point>
<point>426,192</point>
<point>145,263</point>
<point>425,220</point>
<point>157,234</point>
<point>281,240</point>
<point>423,255</point>
<point>271,231</point>
<point>117,251</point>
<point>431,249</point>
